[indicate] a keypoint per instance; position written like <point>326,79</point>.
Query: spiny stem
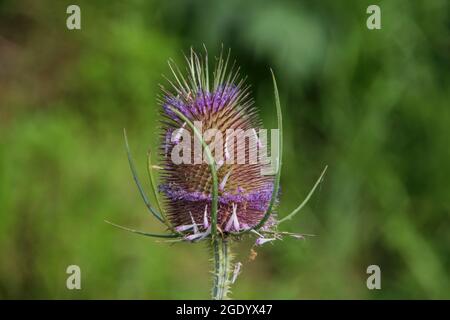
<point>222,268</point>
<point>138,183</point>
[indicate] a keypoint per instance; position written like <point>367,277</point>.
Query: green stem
<point>222,269</point>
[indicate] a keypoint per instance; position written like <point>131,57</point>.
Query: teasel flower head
<point>221,104</point>
<point>212,178</point>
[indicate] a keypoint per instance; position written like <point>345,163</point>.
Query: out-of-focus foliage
<point>373,105</point>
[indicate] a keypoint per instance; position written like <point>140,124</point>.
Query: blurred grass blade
<point>147,234</point>
<point>136,180</point>
<point>300,207</point>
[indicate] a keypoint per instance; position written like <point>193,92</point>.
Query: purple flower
<point>220,102</point>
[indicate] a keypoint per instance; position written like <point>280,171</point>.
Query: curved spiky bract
<point>138,183</point>
<point>276,185</point>
<point>222,103</point>
<point>142,233</point>
<point>305,201</point>
<point>151,177</point>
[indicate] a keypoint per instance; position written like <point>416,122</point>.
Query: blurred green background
<point>373,105</point>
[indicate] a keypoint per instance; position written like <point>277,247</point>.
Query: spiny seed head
<point>220,102</point>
